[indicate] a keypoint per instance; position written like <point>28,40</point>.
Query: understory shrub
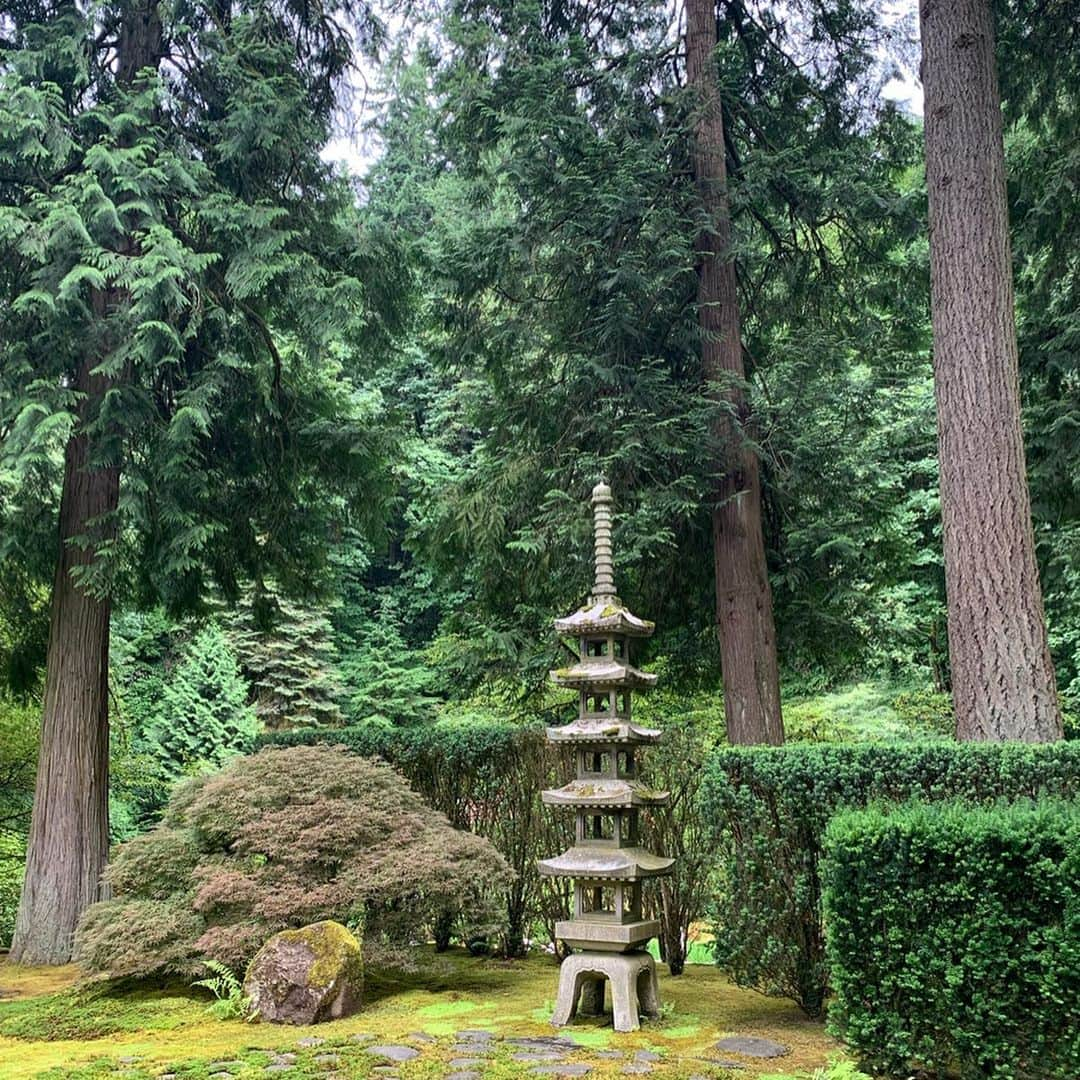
<point>280,839</point>
<point>954,938</point>
<point>767,809</point>
<point>485,776</point>
<point>18,765</point>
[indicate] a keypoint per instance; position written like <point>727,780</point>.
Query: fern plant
<point>231,1003</point>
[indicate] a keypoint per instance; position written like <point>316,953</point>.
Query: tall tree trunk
<point>69,829</point>
<point>743,597</point>
<point>1002,676</point>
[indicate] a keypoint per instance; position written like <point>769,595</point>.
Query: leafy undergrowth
<point>138,1033</point>
<point>871,709</point>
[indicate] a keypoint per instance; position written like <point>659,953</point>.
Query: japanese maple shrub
<point>280,839</point>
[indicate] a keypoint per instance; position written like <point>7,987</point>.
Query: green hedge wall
<point>768,808</point>
<point>954,939</point>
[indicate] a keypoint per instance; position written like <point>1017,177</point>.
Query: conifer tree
<point>1002,674</point>
<point>287,651</point>
<point>204,715</point>
<point>181,278</point>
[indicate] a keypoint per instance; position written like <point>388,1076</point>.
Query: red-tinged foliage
<point>280,839</point>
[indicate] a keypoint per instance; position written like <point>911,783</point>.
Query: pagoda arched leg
<point>592,997</point>
<point>648,990</point>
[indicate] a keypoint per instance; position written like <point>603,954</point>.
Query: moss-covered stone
<point>306,976</point>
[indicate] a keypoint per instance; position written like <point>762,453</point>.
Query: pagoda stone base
<point>634,988</point>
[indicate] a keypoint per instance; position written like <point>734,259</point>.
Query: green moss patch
<point>87,1014</point>
<point>137,1033</point>
<point>450,1008</point>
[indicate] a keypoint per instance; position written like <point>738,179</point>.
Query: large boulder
<point>308,975</point>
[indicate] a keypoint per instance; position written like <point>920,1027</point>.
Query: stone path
<point>472,1053</point>
<point>752,1046</point>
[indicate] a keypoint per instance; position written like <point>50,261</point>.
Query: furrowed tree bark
<point>1002,676</point>
<point>744,612</point>
<point>69,828</point>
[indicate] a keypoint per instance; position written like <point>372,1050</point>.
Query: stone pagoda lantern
<point>607,862</point>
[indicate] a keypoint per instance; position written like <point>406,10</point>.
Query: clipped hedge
<point>954,938</point>
<point>768,807</point>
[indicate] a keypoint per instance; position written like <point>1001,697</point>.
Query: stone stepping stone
<point>475,1048</point>
<point>466,1062</point>
<point>752,1046</point>
<point>610,1055</point>
<point>474,1035</point>
<point>533,1056</point>
<point>326,1059</point>
<point>634,1067</point>
<point>284,1059</point>
<point>560,1070</point>
<point>361,1036</point>
<point>646,1055</point>
<point>225,1066</point>
<point>546,1042</point>
<point>393,1052</point>
<point>311,1040</point>
<point>221,1076</point>
<point>422,1036</point>
<point>465,1074</point>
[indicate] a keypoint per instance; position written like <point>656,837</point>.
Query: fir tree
<point>204,716</point>
<point>287,652</point>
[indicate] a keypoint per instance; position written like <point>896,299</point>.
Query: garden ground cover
<point>50,1027</point>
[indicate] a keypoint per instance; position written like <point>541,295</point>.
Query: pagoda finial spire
<point>604,584</point>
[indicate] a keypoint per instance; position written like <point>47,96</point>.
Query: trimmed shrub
<point>768,807</point>
<point>278,840</point>
<point>954,939</point>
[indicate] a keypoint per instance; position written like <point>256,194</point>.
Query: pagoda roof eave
<point>604,615</point>
<point>595,863</point>
<point>621,732</point>
<point>613,794</point>
<point>588,673</point>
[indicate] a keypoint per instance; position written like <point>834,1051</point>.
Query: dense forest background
<point>527,324</point>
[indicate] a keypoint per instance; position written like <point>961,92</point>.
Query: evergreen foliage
<point>18,761</point>
<point>288,655</point>
<point>197,200</point>
<point>203,717</point>
<point>954,938</point>
<point>768,811</point>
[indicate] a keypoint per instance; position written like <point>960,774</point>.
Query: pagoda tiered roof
<point>600,672</point>
<point>600,862</point>
<point>604,615</point>
<point>603,731</point>
<point>604,793</point>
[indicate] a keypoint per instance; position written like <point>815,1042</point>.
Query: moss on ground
<point>137,1033</point>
